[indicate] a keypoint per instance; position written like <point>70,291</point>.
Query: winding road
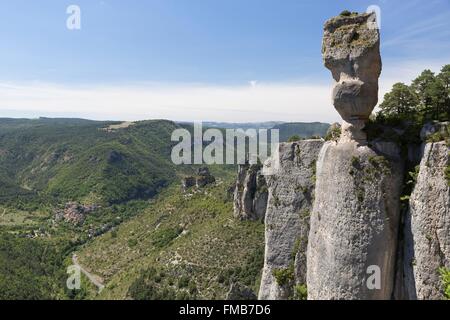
<point>94,279</point>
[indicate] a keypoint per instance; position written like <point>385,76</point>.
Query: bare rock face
<point>354,223</point>
<point>355,218</point>
<point>442,128</point>
<point>427,226</point>
<point>250,194</point>
<point>291,190</point>
<point>351,50</point>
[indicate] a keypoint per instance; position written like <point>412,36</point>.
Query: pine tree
<point>401,102</point>
<point>444,79</point>
<point>421,86</point>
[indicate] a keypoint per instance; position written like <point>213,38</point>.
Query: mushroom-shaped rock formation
<point>356,211</point>
<point>351,50</point>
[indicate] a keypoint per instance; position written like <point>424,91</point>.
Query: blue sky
<point>196,59</point>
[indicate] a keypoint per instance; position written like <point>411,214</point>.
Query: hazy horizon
<point>230,61</point>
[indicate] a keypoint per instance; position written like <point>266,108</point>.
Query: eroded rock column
<point>354,222</point>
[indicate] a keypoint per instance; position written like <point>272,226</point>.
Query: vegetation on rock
<point>445,278</point>
<point>294,138</point>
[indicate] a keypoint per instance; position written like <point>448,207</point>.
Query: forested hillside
<point>65,181</point>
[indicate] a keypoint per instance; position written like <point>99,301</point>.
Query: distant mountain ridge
<point>302,129</point>
<point>287,129</point>
<point>75,159</point>
<point>243,125</point>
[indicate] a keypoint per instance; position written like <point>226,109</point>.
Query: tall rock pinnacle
<point>351,50</point>
<point>354,223</point>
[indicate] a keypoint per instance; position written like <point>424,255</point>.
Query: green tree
<point>401,102</point>
<point>422,85</point>
<point>444,76</point>
<point>438,100</point>
<point>432,93</point>
<point>444,79</point>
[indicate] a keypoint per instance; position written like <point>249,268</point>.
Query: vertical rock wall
<point>287,217</point>
<point>250,193</point>
<point>341,234</point>
<point>354,223</point>
<point>427,226</point>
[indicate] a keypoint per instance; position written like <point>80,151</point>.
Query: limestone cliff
<point>291,190</point>
<point>250,193</point>
<point>427,226</point>
<point>354,222</point>
<point>334,220</point>
<point>356,211</point>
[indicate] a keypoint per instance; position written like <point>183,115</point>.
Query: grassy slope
<point>212,248</point>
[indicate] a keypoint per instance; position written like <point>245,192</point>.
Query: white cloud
<point>189,102</point>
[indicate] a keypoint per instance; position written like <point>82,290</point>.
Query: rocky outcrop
<point>351,50</point>
<point>250,193</point>
<point>354,222</point>
<point>188,182</point>
<point>202,179</point>
<point>362,244</point>
<point>291,189</point>
<point>435,128</point>
<point>427,225</point>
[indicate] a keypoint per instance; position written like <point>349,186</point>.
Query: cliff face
<point>250,193</point>
<point>427,226</point>
<point>354,223</point>
<point>340,234</point>
<point>287,218</point>
<point>352,249</point>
